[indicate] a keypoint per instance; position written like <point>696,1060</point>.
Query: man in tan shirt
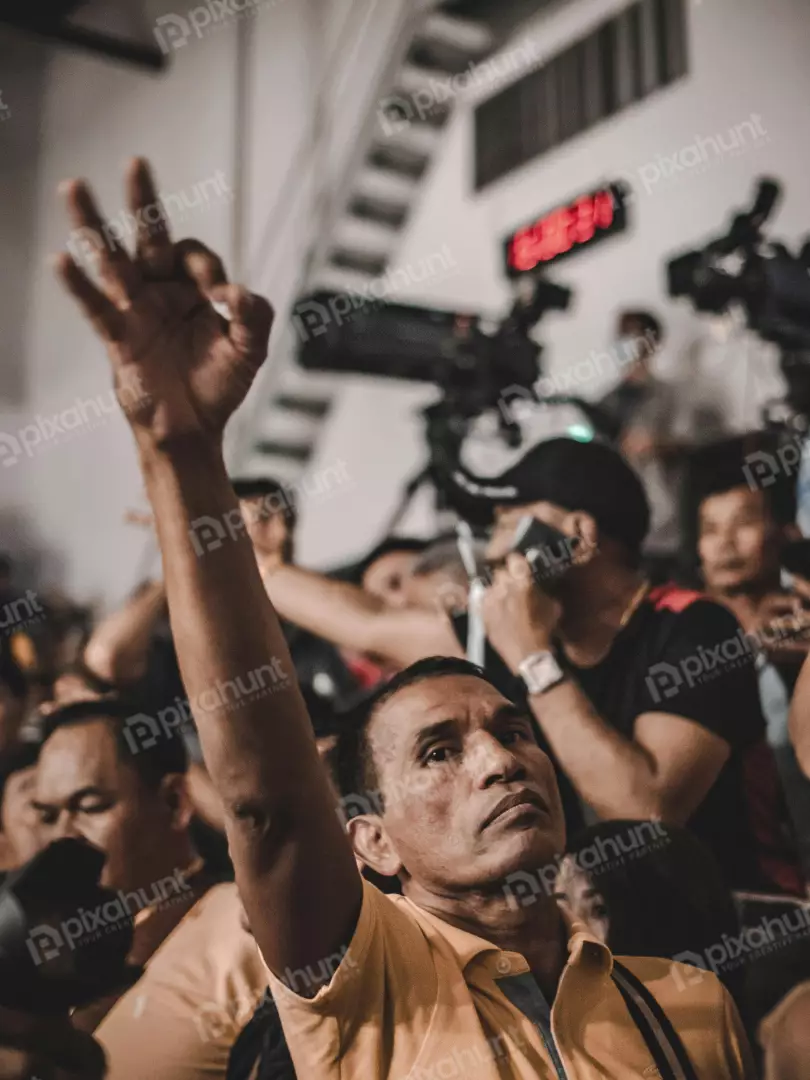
<point>101,777</point>
<point>457,796</point>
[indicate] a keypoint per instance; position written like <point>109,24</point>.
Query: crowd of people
<point>346,849</point>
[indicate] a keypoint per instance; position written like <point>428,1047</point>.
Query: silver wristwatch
<point>540,671</point>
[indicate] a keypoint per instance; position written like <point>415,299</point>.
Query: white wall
<point>77,115</point>
<point>747,57</point>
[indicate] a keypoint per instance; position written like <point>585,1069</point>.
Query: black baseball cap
<point>587,476</point>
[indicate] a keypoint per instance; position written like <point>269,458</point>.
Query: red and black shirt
<point>683,654</point>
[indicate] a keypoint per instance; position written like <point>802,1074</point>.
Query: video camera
<point>52,954</point>
<point>771,284</point>
<point>453,350</point>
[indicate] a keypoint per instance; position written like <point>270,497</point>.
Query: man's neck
<point>596,609</point>
<point>536,931</point>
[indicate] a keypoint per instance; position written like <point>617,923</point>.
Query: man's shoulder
<point>695,1003</point>
<point>673,983</point>
<point>212,936</point>
<point>691,613</point>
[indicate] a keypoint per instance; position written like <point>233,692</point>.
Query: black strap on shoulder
<point>663,1041</point>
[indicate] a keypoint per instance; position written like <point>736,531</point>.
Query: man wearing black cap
<point>648,697</point>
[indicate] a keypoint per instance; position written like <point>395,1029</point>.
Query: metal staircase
<point>406,121</point>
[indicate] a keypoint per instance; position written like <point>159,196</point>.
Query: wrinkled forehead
<point>75,757</point>
<point>399,722</point>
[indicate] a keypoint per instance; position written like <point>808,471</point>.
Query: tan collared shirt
<point>200,988</point>
<point>414,998</point>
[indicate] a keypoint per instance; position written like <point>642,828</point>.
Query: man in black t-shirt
<point>647,697</point>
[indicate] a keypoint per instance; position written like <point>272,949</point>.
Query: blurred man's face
<point>558,558</point>
<point>739,541</point>
<point>640,348</point>
<point>19,821</point>
<point>269,529</point>
<point>386,576</point>
<point>448,752</point>
<point>584,901</point>
<point>84,791</point>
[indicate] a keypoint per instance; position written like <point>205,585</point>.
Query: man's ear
<point>585,529</point>
<point>372,844</point>
<point>174,790</point>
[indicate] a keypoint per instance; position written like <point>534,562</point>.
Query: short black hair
<point>354,572</point>
<point>166,756</point>
<point>356,774</point>
<point>13,761</point>
<point>651,325</point>
<point>278,496</point>
<point>721,467</point>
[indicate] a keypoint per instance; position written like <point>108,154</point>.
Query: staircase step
<point>369,208</point>
<point>399,160</point>
<point>359,234</point>
<point>472,36</point>
<point>362,262</point>
<point>313,408</point>
<point>300,452</point>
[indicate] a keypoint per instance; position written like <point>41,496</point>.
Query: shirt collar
<point>584,950</point>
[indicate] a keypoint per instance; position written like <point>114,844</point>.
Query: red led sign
<point>566,229</point>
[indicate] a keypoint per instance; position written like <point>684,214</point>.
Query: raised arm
<point>118,648</point>
<point>180,371</point>
<point>351,618</point>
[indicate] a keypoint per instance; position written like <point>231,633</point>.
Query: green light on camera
<point>580,432</point>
